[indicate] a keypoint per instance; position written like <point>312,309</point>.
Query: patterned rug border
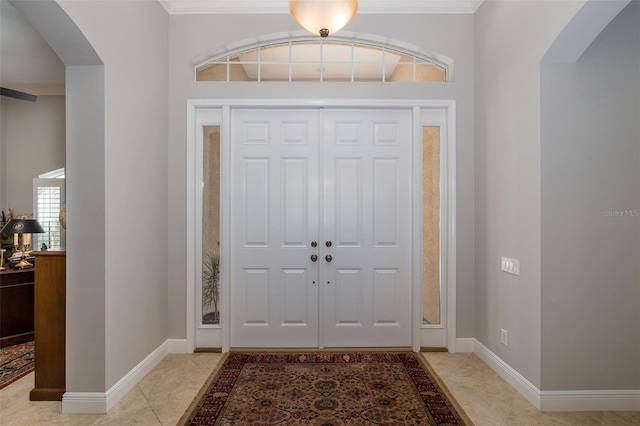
<point>18,377</point>
<point>7,357</point>
<point>185,420</point>
<point>445,390</point>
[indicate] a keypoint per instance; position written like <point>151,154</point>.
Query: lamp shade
<point>22,226</point>
<point>323,17</point>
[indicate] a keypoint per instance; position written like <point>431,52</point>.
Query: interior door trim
<point>198,108</point>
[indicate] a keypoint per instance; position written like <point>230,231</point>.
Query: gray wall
<point>33,139</point>
<point>134,53</point>
<point>193,36</point>
<point>86,280</point>
<point>510,40</point>
<point>85,313</point>
<point>117,180</point>
<point>590,152</point>
<point>512,182</point>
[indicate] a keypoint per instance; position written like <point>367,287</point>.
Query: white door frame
<point>203,112</point>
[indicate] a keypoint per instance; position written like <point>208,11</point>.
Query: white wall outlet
<point>504,337</point>
<point>510,265</point>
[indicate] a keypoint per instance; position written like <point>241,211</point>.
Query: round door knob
<point>314,257</point>
<point>328,258</point>
<point>328,243</point>
<point>314,244</point>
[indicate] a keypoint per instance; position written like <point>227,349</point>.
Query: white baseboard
<point>465,344</point>
<point>177,346</point>
<point>84,403</point>
<point>509,374</point>
<point>575,400</point>
<point>596,400</point>
<point>102,402</point>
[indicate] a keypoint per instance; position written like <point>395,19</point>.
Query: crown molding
<point>185,7</point>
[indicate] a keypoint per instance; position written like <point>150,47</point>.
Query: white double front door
<point>320,228</point>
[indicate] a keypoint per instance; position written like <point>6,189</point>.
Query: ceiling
<point>41,72</point>
<point>282,6</point>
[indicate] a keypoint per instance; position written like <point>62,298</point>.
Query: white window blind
<point>48,199</point>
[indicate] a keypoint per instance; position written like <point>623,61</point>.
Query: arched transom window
<point>309,60</point>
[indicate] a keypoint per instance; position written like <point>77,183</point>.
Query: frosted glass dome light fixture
<point>323,17</point>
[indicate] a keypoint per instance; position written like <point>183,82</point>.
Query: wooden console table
<point>16,307</point>
<point>50,314</point>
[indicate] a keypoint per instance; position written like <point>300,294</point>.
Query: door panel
<point>295,202</point>
<point>348,201</point>
<point>367,179</point>
<point>360,284</point>
<point>386,205</point>
<point>274,295</point>
<point>256,180</point>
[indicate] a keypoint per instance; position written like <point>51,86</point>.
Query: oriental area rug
<point>15,362</point>
<point>324,389</point>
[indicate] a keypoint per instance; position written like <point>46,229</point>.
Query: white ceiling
<point>27,63</point>
<point>282,6</point>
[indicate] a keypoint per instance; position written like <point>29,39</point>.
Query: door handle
<point>328,244</point>
<point>314,244</point>
<point>328,258</point>
<point>314,257</point>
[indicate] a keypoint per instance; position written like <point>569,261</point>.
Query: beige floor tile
<point>81,419</point>
<point>621,418</point>
<point>176,377</point>
<point>133,409</point>
<point>585,418</point>
<point>165,393</point>
<point>17,409</point>
<point>523,413</point>
<point>482,408</point>
<point>172,388</point>
<point>206,361</point>
<point>33,418</point>
<point>474,373</point>
<point>443,363</point>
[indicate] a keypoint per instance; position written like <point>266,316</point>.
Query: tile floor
<point>164,394</point>
<point>489,400</point>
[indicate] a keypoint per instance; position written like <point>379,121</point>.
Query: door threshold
<point>327,350</point>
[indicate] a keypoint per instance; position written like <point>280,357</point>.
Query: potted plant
<point>211,288</point>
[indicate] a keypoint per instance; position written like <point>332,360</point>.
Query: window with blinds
<point>48,199</point>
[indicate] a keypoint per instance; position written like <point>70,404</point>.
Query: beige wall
<point>33,142</point>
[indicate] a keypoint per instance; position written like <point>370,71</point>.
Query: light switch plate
<point>510,265</point>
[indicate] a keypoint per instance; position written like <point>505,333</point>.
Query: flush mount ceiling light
<point>323,17</point>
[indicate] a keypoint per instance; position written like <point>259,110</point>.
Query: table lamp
<point>23,227</point>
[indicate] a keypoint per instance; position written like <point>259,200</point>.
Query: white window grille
<point>48,200</point>
<point>305,59</point>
